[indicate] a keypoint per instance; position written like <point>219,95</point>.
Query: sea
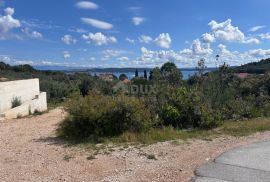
<point>130,72</point>
<point>130,75</point>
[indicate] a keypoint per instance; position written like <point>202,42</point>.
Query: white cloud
<point>225,31</point>
<point>68,40</point>
<point>87,5</point>
<point>66,54</point>
<point>138,20</point>
<point>112,53</point>
<point>5,58</point>
<point>92,58</point>
<point>251,40</point>
<point>99,39</point>
<point>97,23</point>
<point>32,34</point>
<point>157,58</point>
<point>37,35</point>
<point>256,28</point>
<point>145,39</point>
<point>9,11</point>
<point>24,62</point>
<point>208,38</point>
<point>7,22</point>
<point>163,40</point>
<point>12,61</point>
<point>265,36</point>
<point>134,9</point>
<point>199,48</point>
<point>223,50</point>
<point>77,30</point>
<point>132,41</point>
<point>124,58</point>
<point>260,52</point>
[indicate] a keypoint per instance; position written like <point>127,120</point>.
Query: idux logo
<point>135,89</point>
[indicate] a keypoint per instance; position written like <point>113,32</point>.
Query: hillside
<point>255,67</point>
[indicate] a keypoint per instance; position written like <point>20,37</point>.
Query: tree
<point>123,77</point>
<point>201,67</point>
<point>156,75</point>
<point>136,73</point>
<point>171,73</point>
<point>84,87</point>
<point>145,74</point>
<point>151,75</point>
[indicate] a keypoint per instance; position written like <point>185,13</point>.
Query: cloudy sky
<point>133,33</point>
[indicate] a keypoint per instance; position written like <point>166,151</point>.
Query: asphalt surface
<point>245,164</point>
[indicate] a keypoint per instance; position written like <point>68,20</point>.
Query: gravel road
<point>29,151</point>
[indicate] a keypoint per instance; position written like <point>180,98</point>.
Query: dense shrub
<point>101,116</point>
<point>184,109</point>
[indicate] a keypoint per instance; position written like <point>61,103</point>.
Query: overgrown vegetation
<point>15,102</point>
<point>205,101</point>
<point>174,109</point>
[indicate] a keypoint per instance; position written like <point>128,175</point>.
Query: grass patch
<point>161,135</point>
<point>151,157</point>
<point>244,128</point>
<point>231,128</point>
<point>91,157</point>
<point>67,158</point>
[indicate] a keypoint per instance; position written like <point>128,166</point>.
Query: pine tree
<point>136,73</point>
<point>145,74</point>
<point>151,75</point>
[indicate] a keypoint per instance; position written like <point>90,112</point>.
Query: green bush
<point>102,116</point>
<point>16,102</point>
<point>185,110</point>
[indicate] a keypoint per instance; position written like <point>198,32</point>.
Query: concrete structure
<point>28,92</point>
<point>245,164</point>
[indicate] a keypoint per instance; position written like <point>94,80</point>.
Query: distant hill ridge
<point>255,67</point>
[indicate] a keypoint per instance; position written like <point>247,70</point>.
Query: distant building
<point>126,81</point>
<point>241,75</point>
<point>122,86</point>
<point>106,77</point>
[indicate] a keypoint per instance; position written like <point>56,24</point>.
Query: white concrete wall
<point>29,107</point>
<point>25,90</point>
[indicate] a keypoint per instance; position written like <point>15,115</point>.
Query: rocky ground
<point>30,152</point>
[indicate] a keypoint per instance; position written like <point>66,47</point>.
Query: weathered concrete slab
<point>255,156</point>
<point>27,91</point>
<point>245,164</point>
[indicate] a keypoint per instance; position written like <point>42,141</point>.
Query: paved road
<point>246,164</point>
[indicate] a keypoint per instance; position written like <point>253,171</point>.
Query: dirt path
<point>29,151</point>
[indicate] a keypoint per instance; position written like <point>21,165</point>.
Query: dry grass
<point>244,128</point>
<point>231,128</point>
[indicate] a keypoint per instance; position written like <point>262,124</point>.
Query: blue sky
<point>133,33</point>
